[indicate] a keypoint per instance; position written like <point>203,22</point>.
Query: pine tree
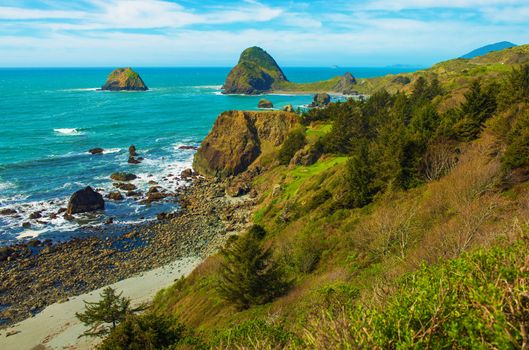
<point>103,316</point>
<point>360,177</point>
<point>248,276</point>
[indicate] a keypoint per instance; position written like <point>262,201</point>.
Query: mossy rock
<point>124,79</point>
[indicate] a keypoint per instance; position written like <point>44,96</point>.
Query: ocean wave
<point>111,150</point>
<point>209,87</point>
<point>68,131</point>
<point>6,186</point>
<point>82,89</point>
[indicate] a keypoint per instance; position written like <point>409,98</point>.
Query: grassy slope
<point>362,252</point>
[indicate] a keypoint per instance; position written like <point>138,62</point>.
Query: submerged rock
<point>133,160</point>
<point>264,103</point>
<point>115,196</point>
<point>85,200</point>
<point>124,79</point>
<point>123,176</point>
<point>188,147</point>
<point>132,151</point>
<point>96,150</point>
<point>256,72</point>
<point>7,211</point>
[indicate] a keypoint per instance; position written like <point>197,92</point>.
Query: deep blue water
<point>49,118</point>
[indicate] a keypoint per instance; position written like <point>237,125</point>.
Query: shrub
<point>145,332</point>
<point>294,142</point>
<point>517,151</point>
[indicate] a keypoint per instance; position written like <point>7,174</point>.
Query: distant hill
<point>489,48</point>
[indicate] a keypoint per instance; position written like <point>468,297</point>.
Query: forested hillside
<point>395,222</point>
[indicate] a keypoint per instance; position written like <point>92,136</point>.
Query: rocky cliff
<point>238,138</point>
<point>124,79</point>
<point>255,73</point>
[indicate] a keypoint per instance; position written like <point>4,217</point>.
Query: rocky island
<point>257,72</point>
<point>124,79</point>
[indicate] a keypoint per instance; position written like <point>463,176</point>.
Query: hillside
<point>396,222</point>
<point>488,48</point>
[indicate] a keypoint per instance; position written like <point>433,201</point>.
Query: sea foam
<point>68,131</point>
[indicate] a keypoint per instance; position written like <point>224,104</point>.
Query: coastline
<point>207,217</point>
<point>56,327</point>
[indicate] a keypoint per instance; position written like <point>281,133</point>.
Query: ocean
<point>50,118</point>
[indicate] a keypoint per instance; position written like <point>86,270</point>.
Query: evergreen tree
<point>480,105</point>
<point>248,275</point>
<point>360,177</point>
<point>145,332</point>
<point>104,315</point>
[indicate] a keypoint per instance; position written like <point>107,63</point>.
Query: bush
<point>294,142</point>
<point>478,301</point>
<point>146,332</point>
<point>517,151</point>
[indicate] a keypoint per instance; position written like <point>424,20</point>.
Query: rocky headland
<point>124,79</point>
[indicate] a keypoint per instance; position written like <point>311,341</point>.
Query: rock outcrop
<point>289,108</point>
<point>264,103</point>
<point>123,176</point>
<point>124,79</point>
<point>85,200</point>
<point>96,150</point>
<point>321,100</point>
<point>237,139</point>
<point>255,73</point>
<point>346,84</point>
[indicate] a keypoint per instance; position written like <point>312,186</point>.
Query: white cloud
<point>398,5</point>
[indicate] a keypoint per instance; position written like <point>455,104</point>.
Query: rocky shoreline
<point>38,274</point>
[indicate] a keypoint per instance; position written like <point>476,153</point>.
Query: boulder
<point>306,156</point>
<point>264,103</point>
<point>133,193</point>
<point>289,108</point>
<point>96,150</point>
<point>5,252</point>
<point>154,197</point>
<point>188,147</point>
<point>133,160</point>
<point>124,186</point>
<point>124,79</point>
<point>186,173</point>
<point>7,211</point>
<point>236,138</point>
<point>345,84</point>
<point>85,200</point>
<point>132,151</point>
<point>121,176</point>
<point>321,100</point>
<point>35,215</point>
<point>115,196</point>
<point>255,73</point>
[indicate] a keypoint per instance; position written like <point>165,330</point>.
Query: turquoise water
<point>51,117</point>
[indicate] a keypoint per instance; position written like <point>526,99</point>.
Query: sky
<point>361,33</point>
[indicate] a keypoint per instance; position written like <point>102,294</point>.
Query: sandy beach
<point>56,327</point>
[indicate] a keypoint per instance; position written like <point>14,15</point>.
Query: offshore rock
<point>124,79</point>
<point>255,73</point>
<point>85,200</point>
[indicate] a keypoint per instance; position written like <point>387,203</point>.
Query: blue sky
<point>38,33</point>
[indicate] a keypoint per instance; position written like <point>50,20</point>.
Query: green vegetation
<point>248,276</point>
<point>408,232</point>
<point>294,142</point>
<point>103,316</point>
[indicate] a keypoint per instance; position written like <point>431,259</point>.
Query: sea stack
<point>124,79</point>
<point>256,72</point>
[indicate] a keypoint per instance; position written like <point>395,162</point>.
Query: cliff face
<point>237,139</point>
<point>124,79</point>
<point>255,73</point>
